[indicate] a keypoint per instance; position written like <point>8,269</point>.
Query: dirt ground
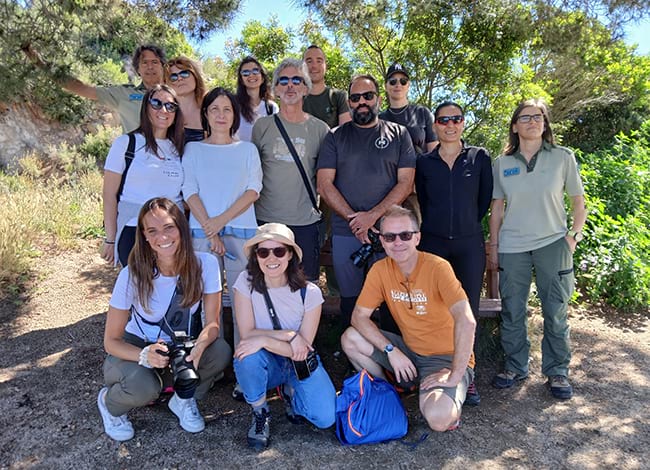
<point>50,372</point>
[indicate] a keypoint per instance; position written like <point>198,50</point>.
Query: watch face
<point>578,237</point>
<point>388,348</point>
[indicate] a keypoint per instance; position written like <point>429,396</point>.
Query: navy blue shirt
<point>453,202</point>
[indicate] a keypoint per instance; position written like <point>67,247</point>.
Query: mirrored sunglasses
<point>156,104</point>
<point>444,120</point>
<point>296,80</point>
<point>249,72</point>
<point>174,77</point>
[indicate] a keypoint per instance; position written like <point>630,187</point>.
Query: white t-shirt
<point>219,175</point>
<point>245,131</point>
<point>149,175</point>
<point>288,305</point>
<point>125,296</point>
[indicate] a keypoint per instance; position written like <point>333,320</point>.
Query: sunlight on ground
<point>48,361</point>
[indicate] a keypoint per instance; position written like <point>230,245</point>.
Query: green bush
<point>96,145</point>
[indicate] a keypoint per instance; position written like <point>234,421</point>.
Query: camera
<point>184,373</point>
<point>360,257</point>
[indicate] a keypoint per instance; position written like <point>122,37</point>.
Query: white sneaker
<point>116,427</point>
<point>187,413</point>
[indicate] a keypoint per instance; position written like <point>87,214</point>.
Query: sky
<point>289,15</point>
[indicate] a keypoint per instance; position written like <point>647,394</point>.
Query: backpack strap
<point>303,293</point>
<point>128,159</point>
<point>269,108</point>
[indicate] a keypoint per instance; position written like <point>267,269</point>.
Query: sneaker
<point>116,427</point>
<point>507,379</point>
<point>288,407</point>
<point>187,413</point>
<point>472,398</point>
<point>238,393</point>
<point>258,434</point>
<point>560,387</point>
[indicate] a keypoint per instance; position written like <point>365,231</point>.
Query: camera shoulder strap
<point>271,308</point>
<point>128,159</point>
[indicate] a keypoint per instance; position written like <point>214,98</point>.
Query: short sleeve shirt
<point>327,106</point>
<point>126,100</point>
<point>419,122</point>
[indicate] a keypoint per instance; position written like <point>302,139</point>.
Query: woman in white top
<point>253,96</point>
<point>153,170</point>
<point>154,309</point>
<point>185,77</point>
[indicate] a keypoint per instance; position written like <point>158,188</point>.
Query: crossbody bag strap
<point>128,159</point>
<point>296,159</point>
<point>271,309</point>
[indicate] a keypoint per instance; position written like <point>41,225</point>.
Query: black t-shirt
<point>417,119</point>
<point>366,161</point>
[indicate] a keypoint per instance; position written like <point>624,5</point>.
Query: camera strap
<point>296,158</point>
<point>271,308</point>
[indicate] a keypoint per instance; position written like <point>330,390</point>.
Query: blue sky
<point>290,16</point>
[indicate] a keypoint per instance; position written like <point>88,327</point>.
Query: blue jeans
<point>314,398</point>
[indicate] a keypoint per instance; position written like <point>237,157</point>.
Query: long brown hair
<point>513,138</point>
<point>143,265</point>
<point>242,95</point>
<point>185,63</point>
<point>175,132</point>
<point>295,276</point>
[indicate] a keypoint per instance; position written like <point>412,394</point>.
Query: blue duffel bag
<point>369,410</point>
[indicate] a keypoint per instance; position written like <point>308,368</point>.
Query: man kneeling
<point>433,313</point>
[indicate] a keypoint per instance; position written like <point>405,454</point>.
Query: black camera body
<point>184,373</point>
<point>360,257</point>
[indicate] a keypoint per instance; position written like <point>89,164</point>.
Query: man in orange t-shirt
<point>433,313</point>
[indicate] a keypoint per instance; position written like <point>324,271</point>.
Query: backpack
<point>368,411</point>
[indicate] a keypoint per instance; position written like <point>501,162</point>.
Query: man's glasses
<point>444,120</point>
<point>296,80</point>
<point>249,72</point>
<point>393,81</point>
<point>404,236</point>
<point>526,118</point>
<point>368,96</point>
<point>177,75</point>
<point>278,252</point>
<point>156,104</point>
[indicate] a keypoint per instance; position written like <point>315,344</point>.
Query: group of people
<point>250,174</point>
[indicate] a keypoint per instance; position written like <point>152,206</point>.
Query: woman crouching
<point>154,322</point>
<point>277,313</point>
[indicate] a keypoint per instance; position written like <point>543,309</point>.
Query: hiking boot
<point>187,412</point>
<point>560,387</point>
<point>507,379</point>
<point>288,407</point>
<point>259,433</point>
<point>472,398</point>
<point>118,428</point>
<point>238,393</point>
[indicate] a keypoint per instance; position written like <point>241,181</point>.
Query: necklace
<point>401,110</point>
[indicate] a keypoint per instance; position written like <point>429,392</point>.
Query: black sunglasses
<point>368,96</point>
<point>249,72</point>
<point>156,104</point>
<point>278,252</point>
<point>182,74</point>
<point>404,236</point>
<point>444,120</point>
<point>393,81</point>
<point>296,80</point>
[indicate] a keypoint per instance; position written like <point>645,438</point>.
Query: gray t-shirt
<point>327,106</point>
<point>284,197</point>
<point>419,122</point>
<point>126,100</point>
<point>366,161</point>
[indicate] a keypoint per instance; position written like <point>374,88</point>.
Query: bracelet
<point>109,242</point>
<point>144,358</point>
<point>294,337</point>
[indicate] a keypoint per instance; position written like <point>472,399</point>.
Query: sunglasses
<point>368,96</point>
<point>249,72</point>
<point>296,80</point>
<point>278,252</point>
<point>525,118</point>
<point>393,81</point>
<point>391,237</point>
<point>174,77</point>
<point>156,104</point>
<point>444,120</point>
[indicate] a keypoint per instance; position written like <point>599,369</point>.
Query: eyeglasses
<point>296,80</point>
<point>393,81</point>
<point>249,72</point>
<point>156,104</point>
<point>368,96</point>
<point>404,236</point>
<point>444,120</point>
<point>182,74</point>
<point>278,252</point>
<point>526,118</point>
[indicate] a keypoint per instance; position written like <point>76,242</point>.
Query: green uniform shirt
<point>126,100</point>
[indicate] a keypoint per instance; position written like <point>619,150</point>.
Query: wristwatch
<point>389,348</point>
<point>577,236</point>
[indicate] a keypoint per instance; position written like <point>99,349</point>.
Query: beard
<point>365,114</point>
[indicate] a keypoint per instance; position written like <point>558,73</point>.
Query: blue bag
<point>369,410</point>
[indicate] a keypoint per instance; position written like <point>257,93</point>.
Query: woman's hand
<point>492,256</point>
<point>299,347</point>
<point>249,346</point>
<point>108,252</point>
<point>195,354</point>
<point>214,225</point>
<point>217,246</point>
<point>155,358</point>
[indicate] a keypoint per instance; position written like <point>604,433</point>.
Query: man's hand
<point>403,368</point>
<point>442,378</point>
<point>360,223</point>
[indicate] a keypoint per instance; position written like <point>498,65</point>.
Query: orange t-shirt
<point>432,288</point>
